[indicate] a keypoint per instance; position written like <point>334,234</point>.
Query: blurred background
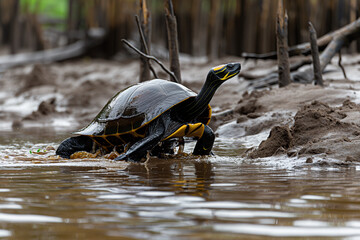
<point>228,27</point>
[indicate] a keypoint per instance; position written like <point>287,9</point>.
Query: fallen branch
<point>151,58</point>
<point>293,67</point>
<point>52,55</point>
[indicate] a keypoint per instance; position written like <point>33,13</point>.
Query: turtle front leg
<point>140,148</point>
<point>205,143</point>
<point>74,144</point>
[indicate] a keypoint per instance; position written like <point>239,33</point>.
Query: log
<point>282,46</point>
<point>73,50</point>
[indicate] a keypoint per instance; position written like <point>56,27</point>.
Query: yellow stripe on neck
<point>188,130</point>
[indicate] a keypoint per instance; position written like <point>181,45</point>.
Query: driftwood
<point>70,51</point>
<point>47,56</point>
<point>282,46</point>
<point>305,48</point>
<point>315,55</point>
<point>248,75</point>
<point>171,26</point>
<point>342,37</point>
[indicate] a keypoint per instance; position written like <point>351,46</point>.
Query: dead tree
<point>171,26</point>
<point>215,29</point>
<point>145,25</point>
<point>305,48</point>
<point>14,22</point>
<point>315,55</point>
<point>339,38</point>
<point>282,46</point>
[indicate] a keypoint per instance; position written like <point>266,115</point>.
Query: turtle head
<point>224,72</point>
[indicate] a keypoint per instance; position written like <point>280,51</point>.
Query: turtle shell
<point>134,107</point>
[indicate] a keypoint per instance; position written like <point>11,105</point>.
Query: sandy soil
<point>298,121</point>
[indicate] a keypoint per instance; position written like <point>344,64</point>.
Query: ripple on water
<point>155,194</point>
<point>288,231</point>
<point>5,233</point>
<point>30,218</point>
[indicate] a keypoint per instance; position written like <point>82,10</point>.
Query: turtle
<point>141,116</point>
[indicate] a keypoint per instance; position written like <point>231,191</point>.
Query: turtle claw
<point>121,157</point>
<point>124,157</point>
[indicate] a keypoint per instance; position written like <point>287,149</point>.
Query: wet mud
<point>298,121</point>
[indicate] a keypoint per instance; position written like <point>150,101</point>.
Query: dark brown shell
<point>136,106</point>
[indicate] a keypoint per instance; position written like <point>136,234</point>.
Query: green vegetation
<point>49,8</point>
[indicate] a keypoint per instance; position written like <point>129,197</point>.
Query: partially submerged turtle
<point>141,116</point>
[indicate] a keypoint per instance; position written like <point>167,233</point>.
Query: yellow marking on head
<point>219,67</point>
<point>227,76</point>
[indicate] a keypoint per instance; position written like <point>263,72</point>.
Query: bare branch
<point>151,58</point>
<point>144,44</point>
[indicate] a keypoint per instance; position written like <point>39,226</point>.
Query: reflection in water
<point>172,175</point>
<point>185,198</point>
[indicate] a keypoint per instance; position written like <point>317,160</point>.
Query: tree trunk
<point>171,26</point>
<point>215,28</point>
<point>14,23</point>
<point>145,24</point>
<point>282,46</point>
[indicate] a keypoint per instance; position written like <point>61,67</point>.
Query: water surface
<point>220,197</point>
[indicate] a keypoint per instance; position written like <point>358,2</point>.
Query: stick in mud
<point>341,66</point>
<point>315,55</point>
<point>282,46</point>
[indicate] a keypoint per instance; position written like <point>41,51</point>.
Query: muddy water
<point>221,197</point>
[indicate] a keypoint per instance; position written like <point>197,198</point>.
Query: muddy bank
<point>295,121</point>
<point>318,129</point>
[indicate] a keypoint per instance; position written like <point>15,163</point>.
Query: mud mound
<point>249,103</point>
<point>45,108</point>
<point>39,75</point>
<point>279,139</point>
<point>317,129</point>
<point>315,120</point>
